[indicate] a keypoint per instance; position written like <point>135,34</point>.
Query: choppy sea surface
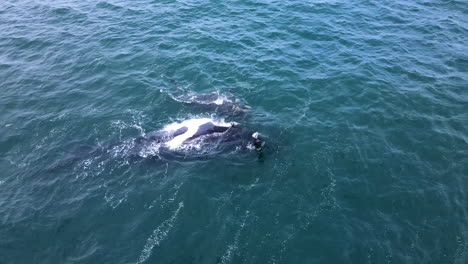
<point>363,106</point>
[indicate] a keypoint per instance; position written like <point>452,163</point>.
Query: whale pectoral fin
<point>219,129</point>
<point>180,131</point>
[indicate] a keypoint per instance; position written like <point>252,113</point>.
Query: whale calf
<point>222,104</point>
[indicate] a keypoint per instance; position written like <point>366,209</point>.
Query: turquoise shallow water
<point>363,106</point>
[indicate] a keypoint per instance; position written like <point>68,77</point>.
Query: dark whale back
<point>207,129</point>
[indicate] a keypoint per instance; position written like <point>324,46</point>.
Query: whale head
<point>257,141</point>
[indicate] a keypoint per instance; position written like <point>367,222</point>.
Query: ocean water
<point>363,106</point>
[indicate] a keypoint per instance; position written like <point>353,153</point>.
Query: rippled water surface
<point>363,105</point>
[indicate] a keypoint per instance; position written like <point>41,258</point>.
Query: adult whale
<point>199,135</point>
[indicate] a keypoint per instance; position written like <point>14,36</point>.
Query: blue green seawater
<point>363,105</point>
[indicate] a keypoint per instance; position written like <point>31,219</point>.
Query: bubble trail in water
<point>227,257</point>
<point>159,234</point>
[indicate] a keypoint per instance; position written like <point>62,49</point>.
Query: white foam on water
<point>150,150</point>
<point>221,100</point>
<point>158,235</point>
<point>192,128</point>
<point>250,146</point>
<point>122,148</point>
